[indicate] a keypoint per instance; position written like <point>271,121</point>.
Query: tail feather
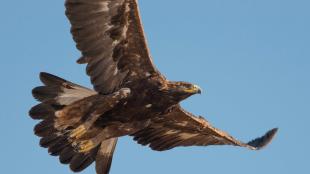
<point>48,140</point>
<point>81,161</point>
<point>46,93</point>
<point>41,111</point>
<point>52,80</point>
<point>45,127</point>
<point>59,91</point>
<point>66,155</point>
<point>56,148</point>
<point>54,96</point>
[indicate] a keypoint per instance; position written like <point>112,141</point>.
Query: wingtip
<point>263,141</point>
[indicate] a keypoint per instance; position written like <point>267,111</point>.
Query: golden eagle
<point>130,96</point>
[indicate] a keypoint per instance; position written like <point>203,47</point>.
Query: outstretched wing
<point>110,36</point>
<point>180,128</point>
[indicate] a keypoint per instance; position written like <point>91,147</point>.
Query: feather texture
<point>64,108</point>
<point>181,128</point>
<point>111,38</point>
<point>105,156</point>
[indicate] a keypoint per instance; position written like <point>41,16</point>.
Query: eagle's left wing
<point>180,128</point>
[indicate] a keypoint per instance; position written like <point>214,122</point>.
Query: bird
<point>130,97</point>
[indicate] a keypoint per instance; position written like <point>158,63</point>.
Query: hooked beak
<point>198,89</point>
<point>194,90</point>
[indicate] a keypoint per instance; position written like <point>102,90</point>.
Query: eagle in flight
<point>130,96</point>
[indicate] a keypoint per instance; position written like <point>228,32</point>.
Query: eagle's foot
<point>78,132</point>
<point>85,146</point>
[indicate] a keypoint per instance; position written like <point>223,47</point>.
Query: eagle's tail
<point>54,96</point>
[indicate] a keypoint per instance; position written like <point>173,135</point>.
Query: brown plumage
<point>131,97</point>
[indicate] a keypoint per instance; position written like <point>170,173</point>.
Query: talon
<point>78,132</point>
<point>85,146</point>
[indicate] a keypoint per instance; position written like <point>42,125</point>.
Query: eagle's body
<point>149,99</point>
<point>144,102</point>
<point>130,95</point>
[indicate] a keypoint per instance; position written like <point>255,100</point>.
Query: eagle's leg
<point>103,105</point>
<point>113,130</point>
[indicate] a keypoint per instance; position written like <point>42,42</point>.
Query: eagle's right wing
<point>181,128</point>
<point>110,36</point>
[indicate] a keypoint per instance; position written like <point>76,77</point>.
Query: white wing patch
<point>73,94</point>
<point>148,106</point>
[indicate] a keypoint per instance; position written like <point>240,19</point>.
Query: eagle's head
<point>180,90</point>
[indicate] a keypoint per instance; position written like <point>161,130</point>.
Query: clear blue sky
<point>252,58</point>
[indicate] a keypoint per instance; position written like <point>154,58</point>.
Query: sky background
<point>252,59</point>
